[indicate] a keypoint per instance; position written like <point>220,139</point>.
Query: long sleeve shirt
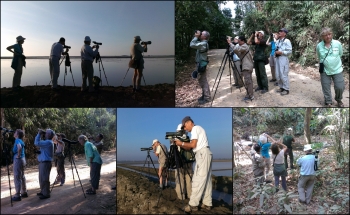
<point>87,53</point>
<point>46,148</point>
<point>285,46</point>
<point>202,48</point>
<point>245,56</point>
<point>56,50</point>
<point>332,63</point>
<point>136,51</point>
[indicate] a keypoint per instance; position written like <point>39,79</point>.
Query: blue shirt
<point>265,149</point>
<point>46,148</point>
<point>15,148</point>
<point>91,152</point>
<point>273,48</point>
<point>307,163</point>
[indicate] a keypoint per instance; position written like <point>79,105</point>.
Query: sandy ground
<point>159,95</point>
<point>138,194</point>
<point>305,90</point>
<point>68,199</point>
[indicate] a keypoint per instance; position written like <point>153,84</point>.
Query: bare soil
<point>305,87</point>
<point>138,194</point>
<point>159,95</point>
<point>66,199</point>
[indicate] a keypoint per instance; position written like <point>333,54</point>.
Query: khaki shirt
<point>246,59</point>
<point>162,157</point>
<point>136,51</point>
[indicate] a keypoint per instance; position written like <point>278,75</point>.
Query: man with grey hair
<point>87,58</point>
<point>45,158</point>
<point>136,51</point>
<point>307,175</point>
<point>94,161</point>
<point>202,61</point>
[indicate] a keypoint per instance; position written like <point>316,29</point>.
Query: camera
<point>69,141</point>
<point>277,49</point>
<point>146,149</point>
<point>146,42</point>
<point>41,131</point>
<point>200,33</point>
<point>66,47</point>
<point>181,135</point>
<point>97,43</point>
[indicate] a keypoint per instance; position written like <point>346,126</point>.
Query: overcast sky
<point>138,127</point>
<point>113,23</point>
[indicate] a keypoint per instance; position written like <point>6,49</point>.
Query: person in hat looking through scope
<point>87,58</point>
<point>18,62</point>
<point>201,181</point>
<point>54,61</point>
<point>161,152</point>
<point>136,51</point>
<point>307,175</point>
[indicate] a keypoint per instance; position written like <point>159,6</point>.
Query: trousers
<point>185,171</point>
<point>203,83</point>
<point>247,74</point>
<point>282,70</point>
<point>54,64</point>
<point>305,187</point>
<point>87,71</point>
<point>272,66</point>
<point>17,76</point>
<point>44,177</point>
<point>18,176</point>
<point>261,76</point>
<point>326,81</point>
<point>95,174</point>
<point>201,181</point>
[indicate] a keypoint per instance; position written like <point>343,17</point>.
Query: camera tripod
<point>6,154</point>
<point>99,60</point>
<point>231,65</point>
<point>178,165</point>
<point>143,76</point>
<point>149,158</point>
<point>67,63</point>
<point>71,158</point>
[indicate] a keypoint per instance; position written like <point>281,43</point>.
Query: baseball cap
<point>284,30</point>
<point>154,141</point>
<point>307,147</point>
<point>179,127</point>
<point>184,120</point>
<point>137,38</point>
<point>20,38</point>
<point>262,32</point>
<point>236,37</point>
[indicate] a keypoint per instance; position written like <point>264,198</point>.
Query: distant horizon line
<point>106,56</point>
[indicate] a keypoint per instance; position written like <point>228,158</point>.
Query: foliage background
<point>303,19</point>
<point>70,121</point>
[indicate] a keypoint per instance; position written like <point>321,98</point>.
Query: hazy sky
<point>113,23</point>
<point>137,127</point>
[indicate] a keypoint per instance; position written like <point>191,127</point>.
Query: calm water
<point>157,70</point>
<point>217,167</point>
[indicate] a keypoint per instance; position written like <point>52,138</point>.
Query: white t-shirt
<point>56,50</point>
<point>279,159</point>
<point>199,134</point>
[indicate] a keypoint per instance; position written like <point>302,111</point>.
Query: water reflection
<point>157,70</point>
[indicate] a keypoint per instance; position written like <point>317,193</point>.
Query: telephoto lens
<point>146,42</point>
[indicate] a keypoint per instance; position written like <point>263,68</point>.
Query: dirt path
<point>305,91</point>
<point>65,199</point>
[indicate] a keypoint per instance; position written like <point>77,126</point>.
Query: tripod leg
<point>229,68</point>
<point>71,165</point>
<point>103,71</point>
<point>224,58</point>
<point>7,164</point>
<point>65,74</point>
<point>125,76</point>
<point>143,76</point>
<point>62,59</point>
<point>153,165</point>
<point>78,177</point>
<point>72,75</point>
<point>219,80</point>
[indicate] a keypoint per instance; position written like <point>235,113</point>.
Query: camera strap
<point>327,53</point>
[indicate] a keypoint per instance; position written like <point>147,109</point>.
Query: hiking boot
<point>257,89</point>
<point>39,194</point>
<point>200,98</point>
<point>264,91</point>
<point>340,104</point>
<point>273,80</point>
<point>248,98</point>
<point>203,101</point>
<point>285,92</point>
<point>280,90</point>
<point>24,195</point>
<point>276,84</point>
<point>234,85</point>
<point>189,208</point>
<point>16,198</point>
<point>44,197</point>
<point>239,86</point>
<point>203,206</point>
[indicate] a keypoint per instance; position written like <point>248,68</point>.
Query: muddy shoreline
<point>137,194</point>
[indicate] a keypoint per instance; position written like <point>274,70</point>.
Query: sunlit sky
<point>137,127</point>
<point>113,23</point>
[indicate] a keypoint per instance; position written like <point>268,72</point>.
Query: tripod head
<point>67,62</point>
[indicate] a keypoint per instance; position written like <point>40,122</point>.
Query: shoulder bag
<point>279,169</point>
<point>321,69</point>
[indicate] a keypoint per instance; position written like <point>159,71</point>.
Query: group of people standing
<point>45,141</point>
<point>87,57</point>
<point>280,151</point>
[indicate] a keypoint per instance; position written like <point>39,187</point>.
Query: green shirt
<point>91,152</point>
<point>287,140</point>
<point>332,63</point>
